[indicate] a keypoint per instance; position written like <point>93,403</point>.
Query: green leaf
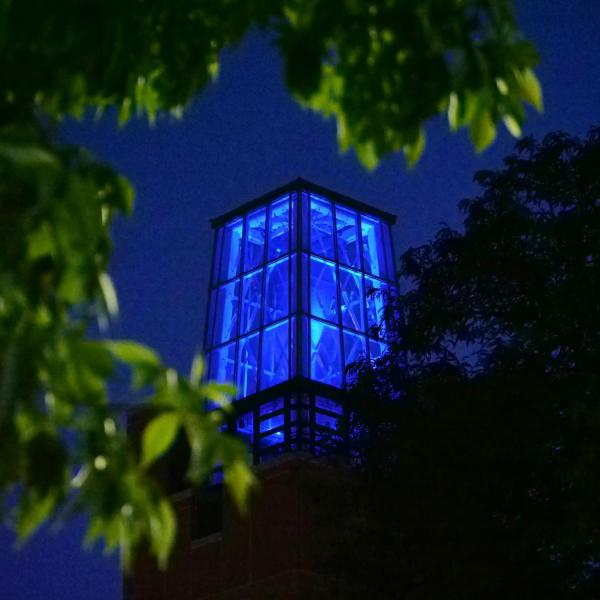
<point>240,480</point>
<point>482,130</point>
<point>512,125</point>
<point>530,88</point>
<point>163,537</point>
<point>109,295</point>
<point>127,195</point>
<point>33,510</point>
<point>40,242</point>
<point>158,436</point>
<point>198,368</point>
<point>145,363</point>
<point>28,156</point>
<point>221,393</point>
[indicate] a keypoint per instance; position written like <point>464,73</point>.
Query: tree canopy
<point>475,438</point>
<point>380,69</point>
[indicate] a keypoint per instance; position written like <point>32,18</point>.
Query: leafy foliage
<point>380,69</point>
<point>63,448</point>
<point>476,436</point>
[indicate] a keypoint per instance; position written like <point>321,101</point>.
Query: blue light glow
<point>252,334</point>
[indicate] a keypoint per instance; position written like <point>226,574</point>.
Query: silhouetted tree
<point>476,439</point>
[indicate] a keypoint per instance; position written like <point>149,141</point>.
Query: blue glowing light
<point>263,330</point>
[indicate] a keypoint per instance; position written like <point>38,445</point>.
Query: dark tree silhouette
<point>476,439</point>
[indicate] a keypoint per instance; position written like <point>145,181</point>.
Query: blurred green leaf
<point>158,436</point>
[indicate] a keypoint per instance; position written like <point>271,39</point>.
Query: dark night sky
<point>241,138</point>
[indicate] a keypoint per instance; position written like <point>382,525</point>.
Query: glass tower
<point>290,309</point>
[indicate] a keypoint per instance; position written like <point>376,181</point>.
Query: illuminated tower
<point>290,309</point>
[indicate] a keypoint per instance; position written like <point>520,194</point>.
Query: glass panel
<point>325,362</point>
<point>376,349</point>
<point>277,291</point>
<point>323,289</point>
<point>274,366</point>
<point>327,404</point>
<point>355,349</point>
<point>294,209</point>
<point>305,283</point>
<point>232,249</point>
<point>279,228</point>
<point>247,376</point>
<point>375,302</point>
<point>226,312</point>
<point>245,427</point>
<point>373,246</point>
<point>351,302</point>
<point>255,239</point>
<point>326,421</point>
<point>271,423</point>
<point>270,440</point>
<point>304,349</point>
<point>271,407</point>
<point>321,227</point>
<point>251,295</point>
<point>348,238</point>
<point>217,256</point>
<point>305,222</point>
<point>222,363</point>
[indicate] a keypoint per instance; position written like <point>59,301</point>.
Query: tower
<point>290,309</point>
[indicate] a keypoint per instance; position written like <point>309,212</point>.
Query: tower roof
<point>308,186</point>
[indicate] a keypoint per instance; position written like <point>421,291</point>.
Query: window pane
<point>222,363</point>
<point>321,227</point>
<point>271,407</point>
<point>351,302</point>
<point>279,228</point>
<point>255,239</point>
<point>251,295</point>
<point>247,376</point>
<point>355,349</point>
<point>327,404</point>
<point>226,312</point>
<point>293,219</point>
<point>277,290</point>
<point>274,366</point>
<point>347,237</point>
<point>373,246</point>
<point>326,421</point>
<point>375,302</point>
<point>270,440</point>
<point>232,249</point>
<point>323,289</point>
<point>325,362</point>
<point>271,423</point>
<point>245,427</point>
<point>376,349</point>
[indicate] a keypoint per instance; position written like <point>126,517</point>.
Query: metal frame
<point>299,391</point>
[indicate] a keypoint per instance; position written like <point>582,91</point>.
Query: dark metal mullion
<point>255,434</point>
<point>298,274</point>
<point>236,335</point>
<point>262,297</point>
<point>339,295</point>
<point>290,291</point>
<point>364,287</point>
<point>308,284</point>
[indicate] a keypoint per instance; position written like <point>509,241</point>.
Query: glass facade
<point>290,295</point>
